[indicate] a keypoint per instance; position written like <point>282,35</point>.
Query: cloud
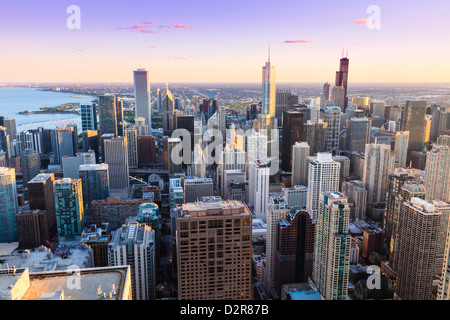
<point>147,22</point>
<point>182,26</point>
<point>152,47</point>
<point>361,22</point>
<point>137,27</point>
<point>298,41</point>
<point>162,27</point>
<point>79,50</point>
<point>148,31</point>
<point>358,43</point>
<point>180,58</point>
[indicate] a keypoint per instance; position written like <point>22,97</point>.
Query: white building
<point>376,171</point>
<point>71,165</point>
<point>300,154</point>
<point>142,96</point>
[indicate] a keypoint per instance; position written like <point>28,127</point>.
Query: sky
<point>224,41</point>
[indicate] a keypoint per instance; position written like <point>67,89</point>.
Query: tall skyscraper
<point>376,170</point>
<point>342,78</point>
<point>421,244</point>
<point>134,244</point>
<point>30,162</point>
<point>89,117</point>
<point>295,248</point>
<point>142,97</point>
<point>66,140</point>
<point>171,162</point>
<point>119,117</point>
<point>69,208</point>
<point>300,164</point>
<point>116,156</point>
<point>293,121</point>
<point>10,125</point>
<point>357,135</point>
<point>168,110</point>
<point>413,120</point>
<point>401,148</point>
<point>146,150</point>
<point>268,88</point>
<point>131,135</point>
<point>259,175</point>
<point>107,114</point>
<point>437,174</point>
<point>5,144</point>
<point>41,196</point>
<point>315,136</point>
<point>214,272</point>
<point>94,182</point>
<point>332,117</point>
<point>332,247</point>
<point>90,142</point>
<point>9,205</point>
<point>323,176</point>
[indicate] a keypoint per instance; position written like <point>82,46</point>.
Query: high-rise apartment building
<point>332,246</point>
<point>134,244</point>
<point>214,250</point>
<point>323,176</point>
<point>437,174</point>
<point>259,175</point>
<point>131,134</point>
<point>69,208</point>
<point>401,148</point>
<point>376,171</point>
<point>30,162</point>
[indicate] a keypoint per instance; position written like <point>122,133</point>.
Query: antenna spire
<point>269,51</point>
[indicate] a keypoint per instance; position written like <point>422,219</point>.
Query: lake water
<point>14,100</point>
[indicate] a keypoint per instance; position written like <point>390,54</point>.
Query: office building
<point>259,175</point>
<point>332,117</point>
<point>357,198</point>
<point>268,88</point>
<point>172,162</point>
<point>30,162</point>
<point>142,98</point>
<point>131,134</point>
<point>196,188</point>
<point>214,272</point>
<point>146,150</point>
<point>376,172</point>
<point>315,136</point>
<point>401,148</point>
<point>413,120</point>
<point>98,240</point>
<point>300,154</point>
<point>295,196</point>
<point>71,165</point>
<point>114,211</point>
<point>168,111</point>
<point>342,78</point>
<point>9,205</point>
<point>90,142</point>
<point>357,135</point>
<point>116,156</point>
<point>88,117</point>
<point>95,182</point>
<point>107,114</point>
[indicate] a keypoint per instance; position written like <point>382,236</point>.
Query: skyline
<point>201,41</point>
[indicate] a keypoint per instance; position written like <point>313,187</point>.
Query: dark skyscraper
<point>342,77</point>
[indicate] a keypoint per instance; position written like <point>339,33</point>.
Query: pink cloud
<point>79,50</point>
<point>180,58</point>
<point>176,25</point>
<point>137,27</point>
<point>298,41</point>
<point>147,22</point>
<point>358,43</point>
<point>152,47</point>
<point>148,31</point>
<point>361,22</point>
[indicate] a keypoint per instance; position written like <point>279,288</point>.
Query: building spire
<point>269,52</point>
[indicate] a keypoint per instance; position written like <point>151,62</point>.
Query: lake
<point>14,100</point>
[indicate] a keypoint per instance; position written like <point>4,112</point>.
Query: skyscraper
<point>119,117</point>
<point>116,156</point>
<point>134,244</point>
<point>69,208</point>
<point>94,181</point>
<point>168,110</point>
<point>71,165</point>
<point>259,175</point>
<point>357,135</point>
<point>376,171</point>
<point>196,188</point>
<point>323,176</point>
<point>41,196</point>
<point>293,121</point>
<point>268,88</point>
<point>437,174</point>
<point>9,205</point>
<point>88,117</point>
<point>142,97</point>
<point>401,148</point>
<point>107,114</point>
<point>413,120</point>
<point>421,244</point>
<point>214,272</point>
<point>332,247</point>
<point>131,135</point>
<point>342,78</point>
<point>332,117</point>
<point>30,162</point>
<point>300,153</point>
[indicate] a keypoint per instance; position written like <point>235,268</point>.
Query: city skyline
<point>202,42</point>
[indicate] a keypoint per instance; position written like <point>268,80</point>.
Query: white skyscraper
<point>268,88</point>
<point>401,148</point>
<point>314,105</point>
<point>376,171</point>
<point>300,153</point>
<point>142,96</point>
<point>258,184</point>
<point>323,176</point>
